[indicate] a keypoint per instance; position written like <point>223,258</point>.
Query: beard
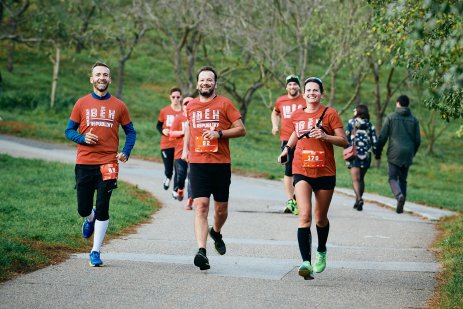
<point>101,87</point>
<point>293,92</point>
<point>207,93</point>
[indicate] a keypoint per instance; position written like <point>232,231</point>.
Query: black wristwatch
<point>289,148</point>
<point>220,133</point>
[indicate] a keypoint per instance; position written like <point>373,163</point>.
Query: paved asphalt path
<point>376,258</point>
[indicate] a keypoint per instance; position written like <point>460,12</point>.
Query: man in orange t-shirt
<point>181,166</point>
<point>284,107</point>
<point>212,121</point>
<point>98,116</point>
<point>167,145</point>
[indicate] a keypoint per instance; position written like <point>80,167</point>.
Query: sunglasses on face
<point>174,97</point>
<point>313,79</point>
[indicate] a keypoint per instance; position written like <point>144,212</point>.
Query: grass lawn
<point>39,223</point>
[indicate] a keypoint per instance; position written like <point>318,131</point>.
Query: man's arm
<point>275,117</point>
<point>131,137</point>
<point>382,139</point>
<point>417,136</point>
<point>72,134</point>
<point>186,144</point>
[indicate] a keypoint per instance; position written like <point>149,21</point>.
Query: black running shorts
<point>210,178</point>
<point>319,183</point>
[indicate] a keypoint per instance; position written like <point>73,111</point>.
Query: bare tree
<point>15,11</point>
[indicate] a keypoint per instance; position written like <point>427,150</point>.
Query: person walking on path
<point>97,117</point>
<point>402,130</point>
<point>181,166</point>
<point>167,145</point>
<point>316,129</point>
<point>283,108</point>
<point>361,134</point>
<point>212,121</point>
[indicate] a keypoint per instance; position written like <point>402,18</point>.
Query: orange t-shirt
<point>166,116</point>
<point>218,114</point>
<point>285,106</point>
<point>302,123</point>
<point>179,124</point>
<point>103,117</point>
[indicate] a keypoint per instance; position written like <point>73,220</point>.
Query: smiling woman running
<point>316,129</point>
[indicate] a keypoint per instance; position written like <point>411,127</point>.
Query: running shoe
<point>291,206</point>
<point>400,204</point>
<point>320,262</point>
<point>166,183</point>
<point>201,260</point>
<point>360,205</point>
<point>95,260</point>
<point>180,195</point>
<point>88,227</point>
<point>305,270</point>
<point>174,195</point>
<point>189,204</point>
<point>218,242</point>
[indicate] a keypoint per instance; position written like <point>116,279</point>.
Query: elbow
<point>243,132</point>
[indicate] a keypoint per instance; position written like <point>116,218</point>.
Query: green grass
<point>39,223</point>
<point>433,180</point>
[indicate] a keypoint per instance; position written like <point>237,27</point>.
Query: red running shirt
<point>217,114</point>
<point>302,123</point>
<point>285,106</point>
<point>179,124</point>
<point>167,116</point>
<point>103,117</point>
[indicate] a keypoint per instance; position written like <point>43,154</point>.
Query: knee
<point>201,209</point>
<point>321,222</point>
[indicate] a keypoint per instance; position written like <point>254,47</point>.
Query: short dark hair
<point>99,64</point>
<point>314,80</point>
<point>362,111</point>
<point>175,89</point>
<point>207,68</point>
<point>403,100</point>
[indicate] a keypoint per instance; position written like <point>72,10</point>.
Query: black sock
<point>215,234</point>
<point>322,233</point>
<point>202,250</point>
<point>304,238</point>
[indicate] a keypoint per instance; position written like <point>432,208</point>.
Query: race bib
<point>313,159</point>
<point>109,171</point>
<point>202,145</point>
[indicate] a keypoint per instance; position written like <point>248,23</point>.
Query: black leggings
<point>89,180</point>
<point>168,159</point>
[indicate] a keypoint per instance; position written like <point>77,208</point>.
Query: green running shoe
<point>291,206</point>
<point>320,262</point>
<point>305,270</point>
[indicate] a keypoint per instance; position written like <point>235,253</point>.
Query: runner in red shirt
<point>212,121</point>
<point>98,116</point>
<point>316,130</point>
<point>181,166</point>
<point>284,107</point>
<point>167,145</point>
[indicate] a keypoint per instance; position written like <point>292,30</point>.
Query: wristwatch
<point>220,133</point>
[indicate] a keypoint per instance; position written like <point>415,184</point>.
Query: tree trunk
<point>334,75</point>
<point>120,78</point>
<point>10,61</point>
<point>378,115</point>
<point>56,63</point>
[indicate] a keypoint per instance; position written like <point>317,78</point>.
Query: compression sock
<point>304,238</point>
<point>322,233</point>
<point>100,232</point>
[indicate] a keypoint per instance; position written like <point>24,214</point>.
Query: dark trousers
<point>168,159</point>
<point>398,179</point>
<point>89,180</point>
<point>181,171</point>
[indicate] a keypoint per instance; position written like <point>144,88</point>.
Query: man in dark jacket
<point>403,131</point>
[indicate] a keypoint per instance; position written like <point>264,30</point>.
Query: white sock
<point>99,233</point>
<point>91,217</point>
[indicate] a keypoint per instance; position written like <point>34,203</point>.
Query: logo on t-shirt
<point>206,119</point>
<point>100,117</point>
<point>288,109</point>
